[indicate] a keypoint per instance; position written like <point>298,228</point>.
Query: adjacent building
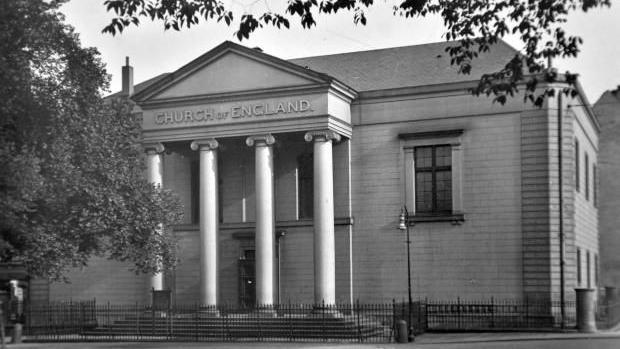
<point>608,113</point>
<point>293,174</point>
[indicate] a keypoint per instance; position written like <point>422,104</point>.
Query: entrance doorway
<point>247,279</point>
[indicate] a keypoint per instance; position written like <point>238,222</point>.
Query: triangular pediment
<point>229,69</point>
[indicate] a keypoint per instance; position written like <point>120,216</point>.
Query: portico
<point>274,107</point>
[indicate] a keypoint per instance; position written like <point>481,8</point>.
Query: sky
<point>153,51</point>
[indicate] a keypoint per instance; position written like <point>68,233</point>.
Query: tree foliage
<point>71,165</point>
<point>473,25</point>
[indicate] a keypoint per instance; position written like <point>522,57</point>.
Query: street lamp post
<point>403,224</point>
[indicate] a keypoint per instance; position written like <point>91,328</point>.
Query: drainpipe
<point>561,210</point>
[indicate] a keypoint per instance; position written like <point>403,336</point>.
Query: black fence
<point>89,321</point>
<point>499,315</point>
<point>608,309</point>
<point>57,318</point>
<point>283,322</point>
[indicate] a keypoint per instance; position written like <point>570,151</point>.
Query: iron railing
<point>58,317</point>
<point>283,322</point>
<point>608,313</point>
<point>497,315</point>
<point>357,322</point>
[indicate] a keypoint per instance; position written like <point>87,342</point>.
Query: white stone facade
<point>250,118</point>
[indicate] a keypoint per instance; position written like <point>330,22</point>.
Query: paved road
<point>567,343</point>
<point>575,343</point>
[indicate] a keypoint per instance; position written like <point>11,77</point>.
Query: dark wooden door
<point>247,280</point>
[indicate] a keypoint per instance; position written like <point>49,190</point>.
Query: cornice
<point>431,134</point>
<point>287,91</point>
<point>343,91</point>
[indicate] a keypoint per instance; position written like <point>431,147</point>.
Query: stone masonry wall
<point>608,112</point>
<point>480,258</point>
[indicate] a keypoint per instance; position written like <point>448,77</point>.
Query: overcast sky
<point>153,51</point>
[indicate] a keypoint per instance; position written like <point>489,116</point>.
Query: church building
<point>294,173</point>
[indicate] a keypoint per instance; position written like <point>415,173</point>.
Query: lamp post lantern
<point>403,224</point>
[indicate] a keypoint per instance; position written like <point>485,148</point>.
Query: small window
<point>578,267</point>
<point>305,189</point>
<point>577,170</point>
<point>220,196</point>
<point>433,180</point>
<point>588,273</point>
<point>586,167</point>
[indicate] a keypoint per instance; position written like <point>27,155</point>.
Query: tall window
<point>305,189</point>
<point>578,267</point>
<point>594,186</point>
<point>577,174</point>
<point>596,271</point>
<point>586,167</point>
<point>433,179</point>
<point>195,191</point>
<point>588,270</point>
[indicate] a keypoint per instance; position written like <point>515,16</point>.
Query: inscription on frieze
<point>207,114</point>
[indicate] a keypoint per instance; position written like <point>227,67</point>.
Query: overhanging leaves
<point>474,26</point>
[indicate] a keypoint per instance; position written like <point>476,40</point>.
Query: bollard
<point>16,337</point>
<point>401,332</point>
<point>586,307</point>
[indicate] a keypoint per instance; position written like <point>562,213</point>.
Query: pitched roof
<point>407,66</point>
<point>389,68</point>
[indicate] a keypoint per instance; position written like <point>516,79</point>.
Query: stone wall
<point>608,112</point>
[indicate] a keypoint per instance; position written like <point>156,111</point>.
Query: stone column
<point>209,220</point>
<point>154,173</point>
<point>324,243</point>
<point>265,219</point>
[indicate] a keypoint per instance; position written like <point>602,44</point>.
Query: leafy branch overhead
<point>71,164</point>
<point>474,25</point>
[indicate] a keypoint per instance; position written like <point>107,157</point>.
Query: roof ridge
<point>499,42</point>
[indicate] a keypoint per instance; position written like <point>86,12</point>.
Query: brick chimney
<point>127,79</point>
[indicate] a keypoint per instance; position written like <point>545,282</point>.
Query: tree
<point>71,164</point>
<point>474,25</point>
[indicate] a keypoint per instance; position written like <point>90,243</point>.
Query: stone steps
<point>310,327</point>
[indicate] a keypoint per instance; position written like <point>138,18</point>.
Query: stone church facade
<point>293,174</point>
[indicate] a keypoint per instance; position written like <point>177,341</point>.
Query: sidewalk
<point>422,340</point>
<point>469,337</point>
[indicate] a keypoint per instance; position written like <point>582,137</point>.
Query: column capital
<point>322,135</point>
<point>154,147</point>
<point>205,144</point>
<point>260,140</point>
